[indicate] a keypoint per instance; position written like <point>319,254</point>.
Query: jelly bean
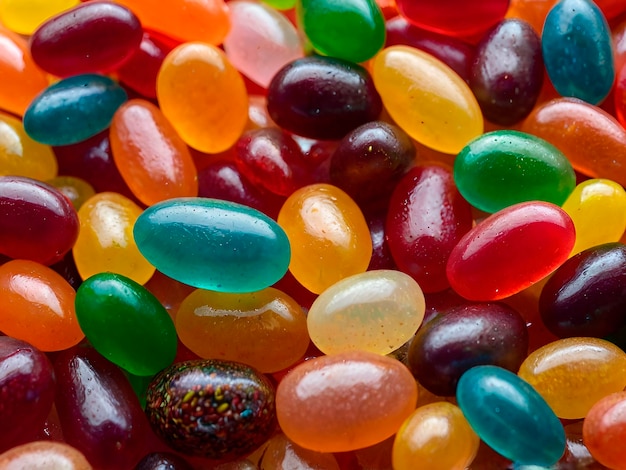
<point>73,109</point>
<point>75,189</point>
<point>91,37</point>
<point>436,436</point>
<point>22,156</point>
<point>106,242</point>
<point>213,116</point>
<point>592,140</point>
<point>604,427</point>
<point>67,269</point>
<point>532,240</point>
<point>213,244</point>
<point>24,17</point>
<point>376,311</point>
<point>151,157</point>
<point>140,337</point>
<point>507,72</point>
<point>27,381</point>
<point>328,235</point>
<point>577,50</point>
<point>426,218</point>
<point>353,30</point>
<point>316,401</point>
<point>426,98</point>
<point>281,4</point>
<point>211,408</point>
<point>36,221</point>
<point>169,292</point>
<point>463,337</point>
<point>265,329</point>
<point>345,97</point>
<point>258,115</point>
<point>44,454</point>
<point>619,100</point>
<point>163,461</point>
<point>98,411</point>
<point>282,453</point>
<point>502,168</point>
<point>381,256</point>
<point>260,41</point>
<point>572,374</point>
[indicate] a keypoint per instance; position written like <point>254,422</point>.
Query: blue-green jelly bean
<point>510,416</point>
<point>213,244</point>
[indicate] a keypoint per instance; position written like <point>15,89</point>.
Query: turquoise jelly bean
<point>213,244</point>
<point>73,109</point>
<point>510,416</point>
<point>577,51</point>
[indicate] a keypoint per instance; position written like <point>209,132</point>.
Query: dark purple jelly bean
<point>163,461</point>
<point>381,256</point>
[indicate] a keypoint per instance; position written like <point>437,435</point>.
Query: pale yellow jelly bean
<point>427,99</point>
<point>376,311</point>
<point>572,374</point>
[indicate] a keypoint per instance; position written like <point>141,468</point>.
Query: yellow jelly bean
<point>24,16</point>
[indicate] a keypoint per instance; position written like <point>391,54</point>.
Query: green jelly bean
<point>502,168</point>
<point>126,323</point>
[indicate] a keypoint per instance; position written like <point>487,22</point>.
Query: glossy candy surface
<point>44,454</point>
<point>604,426</point>
<point>281,453</point>
<point>24,17</point>
<point>77,190</point>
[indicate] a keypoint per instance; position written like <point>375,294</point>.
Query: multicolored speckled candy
<point>211,408</point>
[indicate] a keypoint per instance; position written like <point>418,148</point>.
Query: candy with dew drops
<point>44,454</point>
<point>604,427</point>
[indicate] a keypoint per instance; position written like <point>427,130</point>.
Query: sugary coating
<point>510,250</point>
<point>572,374</point>
<point>73,109</point>
<point>345,401</point>
<point>77,190</point>
<point>24,16</point>
<point>328,235</point>
<point>106,242</point>
<point>39,455</point>
<point>426,98</point>
<point>264,329</point>
<point>604,429</point>
<point>151,157</point>
<point>211,408</point>
<point>283,453</point>
<point>213,116</point>
<point>376,311</point>
<point>502,168</point>
<point>435,437</point>
<point>510,416</point>
<point>213,244</point>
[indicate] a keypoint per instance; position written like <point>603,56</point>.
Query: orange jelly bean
<point>604,429</point>
<point>37,306</point>
<point>203,96</point>
<point>282,453</point>
<point>151,157</point>
<point>44,455</point>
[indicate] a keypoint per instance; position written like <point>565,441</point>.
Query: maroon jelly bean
<point>381,256</point>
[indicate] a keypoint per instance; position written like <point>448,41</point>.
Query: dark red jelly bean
<point>37,222</point>
<point>381,256</point>
<point>322,97</point>
<point>91,37</point>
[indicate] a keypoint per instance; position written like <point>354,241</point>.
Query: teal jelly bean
<point>352,30</point>
<point>502,168</point>
<point>126,323</point>
<point>213,244</point>
<point>510,416</point>
<point>577,51</point>
<point>73,109</point>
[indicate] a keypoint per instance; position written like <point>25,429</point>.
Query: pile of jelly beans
<point>313,234</point>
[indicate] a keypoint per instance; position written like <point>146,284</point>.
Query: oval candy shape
<point>213,244</point>
<point>315,402</point>
<point>604,425</point>
<point>510,250</point>
<point>24,17</point>
<point>44,454</point>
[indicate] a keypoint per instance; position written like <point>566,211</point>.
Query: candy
<point>24,17</point>
<point>281,453</point>
<point>77,190</point>
<point>603,427</point>
<point>162,461</point>
<point>44,454</point>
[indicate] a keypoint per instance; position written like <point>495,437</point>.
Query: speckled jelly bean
<point>44,454</point>
<point>426,98</point>
<point>510,250</point>
<point>77,190</point>
<point>316,401</point>
<point>73,109</point>
<point>328,234</point>
<point>502,168</point>
<point>281,453</point>
<point>211,408</point>
<point>213,244</point>
<point>577,50</point>
<point>24,17</point>
<point>572,374</point>
<point>604,427</point>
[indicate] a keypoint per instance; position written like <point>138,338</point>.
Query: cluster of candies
<point>312,234</point>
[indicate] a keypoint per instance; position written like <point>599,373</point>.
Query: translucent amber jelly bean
<point>426,98</point>
<point>77,190</point>
<point>436,437</point>
<point>24,16</point>
<point>572,374</point>
<point>376,311</point>
<point>203,96</point>
<point>510,250</point>
<point>265,329</point>
<point>316,401</point>
<point>106,242</point>
<point>36,221</point>
<point>91,37</point>
<point>328,234</point>
<point>44,454</point>
<point>283,453</point>
<point>38,306</point>
<point>510,416</point>
<point>151,157</point>
<point>604,428</point>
